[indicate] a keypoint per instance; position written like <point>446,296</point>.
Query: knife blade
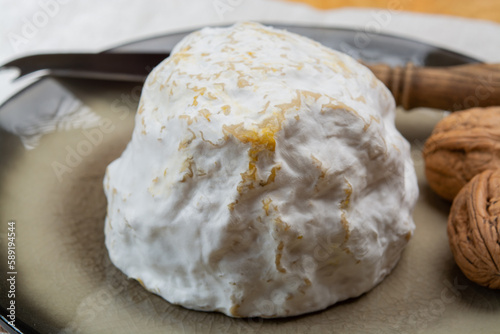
<point>107,66</point>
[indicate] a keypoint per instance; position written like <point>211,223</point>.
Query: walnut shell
<point>474,229</point>
<point>463,144</point>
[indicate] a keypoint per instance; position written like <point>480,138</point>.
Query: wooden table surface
<point>481,9</point>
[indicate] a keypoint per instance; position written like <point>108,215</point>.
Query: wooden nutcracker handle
<point>450,88</point>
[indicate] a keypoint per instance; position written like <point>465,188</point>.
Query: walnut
<point>474,229</point>
<point>463,144</point>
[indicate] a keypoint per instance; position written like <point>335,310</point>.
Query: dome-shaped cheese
<point>264,177</point>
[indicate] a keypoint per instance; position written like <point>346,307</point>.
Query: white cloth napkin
<point>91,25</point>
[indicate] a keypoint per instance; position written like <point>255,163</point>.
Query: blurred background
<point>483,9</point>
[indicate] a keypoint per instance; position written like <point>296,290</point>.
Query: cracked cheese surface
<point>265,177</point>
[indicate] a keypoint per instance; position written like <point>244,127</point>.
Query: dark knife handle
<point>449,88</point>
